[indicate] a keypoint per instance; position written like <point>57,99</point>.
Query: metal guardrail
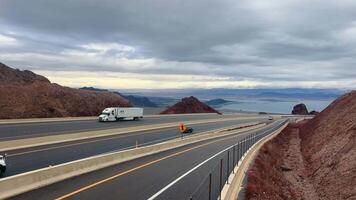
<point>213,183</point>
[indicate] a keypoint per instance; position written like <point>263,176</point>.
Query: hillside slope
<point>189,105</point>
<point>25,94</point>
<point>310,160</point>
<point>329,147</point>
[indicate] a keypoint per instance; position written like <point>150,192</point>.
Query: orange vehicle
<point>184,129</point>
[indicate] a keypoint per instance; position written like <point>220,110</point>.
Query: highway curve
<point>144,177</point>
<point>28,159</point>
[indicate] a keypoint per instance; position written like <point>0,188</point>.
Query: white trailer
<point>118,113</point>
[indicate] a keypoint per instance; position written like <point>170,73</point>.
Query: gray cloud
<point>265,41</point>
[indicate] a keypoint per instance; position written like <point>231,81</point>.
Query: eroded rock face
<point>329,147</point>
<point>190,105</point>
<point>321,154</point>
<point>25,94</point>
<point>300,109</point>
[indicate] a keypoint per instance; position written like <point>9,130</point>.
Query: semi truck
<point>118,113</point>
<point>2,164</point>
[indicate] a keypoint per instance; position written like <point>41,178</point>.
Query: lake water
<point>275,106</point>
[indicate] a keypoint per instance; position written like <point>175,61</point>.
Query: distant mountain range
<point>217,102</point>
<point>271,94</point>
<point>139,101</point>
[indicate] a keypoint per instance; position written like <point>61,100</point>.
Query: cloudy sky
<point>183,44</point>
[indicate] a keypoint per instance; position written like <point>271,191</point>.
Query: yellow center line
<point>137,168</point>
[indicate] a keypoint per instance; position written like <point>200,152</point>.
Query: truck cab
<point>2,164</point>
<point>108,114</point>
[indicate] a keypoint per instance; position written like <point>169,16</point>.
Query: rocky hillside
<point>190,105</point>
<point>311,160</point>
<point>329,148</point>
<point>300,109</point>
<point>25,94</point>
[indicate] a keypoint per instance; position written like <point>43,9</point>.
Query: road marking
<point>89,118</point>
<point>58,133</point>
<point>188,172</point>
<point>80,143</point>
<point>137,168</point>
<point>27,136</point>
<point>197,166</point>
<point>103,139</point>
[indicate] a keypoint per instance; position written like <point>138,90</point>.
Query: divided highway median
<point>21,183</point>
<point>54,139</point>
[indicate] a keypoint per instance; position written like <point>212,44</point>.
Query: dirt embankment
<point>279,171</point>
<point>190,105</point>
<point>25,94</point>
<point>310,160</point>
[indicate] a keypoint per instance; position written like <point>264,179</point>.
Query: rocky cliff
<point>190,105</point>
<point>300,109</point>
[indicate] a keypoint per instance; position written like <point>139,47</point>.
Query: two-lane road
<point>148,176</point>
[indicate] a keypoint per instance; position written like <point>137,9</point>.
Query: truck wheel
<point>135,118</point>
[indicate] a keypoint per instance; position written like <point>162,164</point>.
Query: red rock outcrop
<point>300,109</point>
<point>311,160</point>
<point>190,105</point>
<point>25,94</point>
<point>313,112</point>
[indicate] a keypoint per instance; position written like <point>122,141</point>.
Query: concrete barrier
<point>21,183</point>
<point>54,139</point>
<point>231,191</point>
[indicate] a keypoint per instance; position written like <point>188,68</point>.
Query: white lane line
<point>196,167</point>
<point>185,174</point>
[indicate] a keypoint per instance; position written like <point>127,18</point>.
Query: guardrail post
<point>233,158</point>
<point>251,140</point>
<point>239,148</point>
<point>228,166</point>
<point>246,143</point>
<point>254,138</point>
<point>210,186</point>
<point>221,165</point>
<point>243,146</point>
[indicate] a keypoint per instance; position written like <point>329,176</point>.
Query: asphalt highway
<point>148,176</point>
<point>28,159</point>
<point>38,129</point>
